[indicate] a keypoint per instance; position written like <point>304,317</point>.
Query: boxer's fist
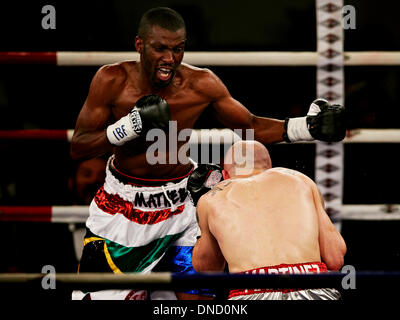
<point>202,179</point>
<point>329,124</point>
<point>323,122</point>
<point>153,112</point>
<point>149,112</point>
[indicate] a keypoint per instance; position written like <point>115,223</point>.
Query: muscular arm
<point>207,255</point>
<point>234,115</point>
<point>89,139</point>
<point>331,243</point>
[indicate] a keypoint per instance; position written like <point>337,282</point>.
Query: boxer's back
<point>266,219</point>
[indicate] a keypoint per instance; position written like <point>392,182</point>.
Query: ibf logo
<point>120,132</point>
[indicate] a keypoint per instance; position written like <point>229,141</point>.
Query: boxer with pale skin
<point>266,220</point>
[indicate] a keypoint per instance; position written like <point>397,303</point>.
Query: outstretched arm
<point>323,121</point>
<point>207,255</point>
<point>235,115</point>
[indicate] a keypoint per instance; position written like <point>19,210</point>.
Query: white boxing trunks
<point>139,225</point>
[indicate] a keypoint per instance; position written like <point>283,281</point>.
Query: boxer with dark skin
<point>187,89</point>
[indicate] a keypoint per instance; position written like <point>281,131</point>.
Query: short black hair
<point>161,16</point>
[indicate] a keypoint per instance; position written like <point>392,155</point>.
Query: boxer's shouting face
<point>161,53</point>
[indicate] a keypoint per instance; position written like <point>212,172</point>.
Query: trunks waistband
<point>298,268</point>
<point>143,182</point>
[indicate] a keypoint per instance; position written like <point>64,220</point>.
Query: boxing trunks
<point>286,294</point>
<point>139,225</point>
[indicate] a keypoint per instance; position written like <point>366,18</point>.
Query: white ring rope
<point>208,136</point>
<point>79,214</point>
<point>205,58</point>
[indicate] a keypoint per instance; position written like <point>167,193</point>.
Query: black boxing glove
<point>149,112</point>
<point>202,179</point>
<point>323,122</point>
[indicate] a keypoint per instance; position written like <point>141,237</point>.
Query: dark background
<point>50,97</point>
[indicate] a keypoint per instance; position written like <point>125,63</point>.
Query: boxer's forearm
<point>332,246</point>
<point>89,145</point>
<point>268,130</point>
<point>206,258</point>
<point>206,265</point>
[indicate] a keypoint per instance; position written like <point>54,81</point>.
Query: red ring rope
<point>28,57</point>
<point>34,134</point>
<point>52,214</point>
<point>26,214</point>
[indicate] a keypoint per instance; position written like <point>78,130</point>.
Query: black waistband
<point>143,182</point>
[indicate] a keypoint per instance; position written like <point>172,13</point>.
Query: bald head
<point>246,158</point>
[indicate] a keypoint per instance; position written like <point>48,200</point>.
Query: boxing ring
<point>79,214</point>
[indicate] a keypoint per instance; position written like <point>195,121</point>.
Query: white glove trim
<point>314,109</point>
<point>122,131</point>
<point>297,129</point>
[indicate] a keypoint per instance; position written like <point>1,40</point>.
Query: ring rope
<point>36,134</point>
<point>166,280</point>
<point>363,279</point>
<point>207,135</point>
<point>205,58</point>
<point>79,214</point>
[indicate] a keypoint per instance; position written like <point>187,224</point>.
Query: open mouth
<point>164,74</point>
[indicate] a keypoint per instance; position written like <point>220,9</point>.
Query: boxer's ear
<point>139,44</point>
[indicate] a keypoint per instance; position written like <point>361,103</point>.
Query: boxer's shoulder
<point>290,173</point>
<point>220,189</point>
<point>117,72</point>
<point>202,79</point>
<point>191,70</point>
<point>111,79</point>
<point>284,171</point>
